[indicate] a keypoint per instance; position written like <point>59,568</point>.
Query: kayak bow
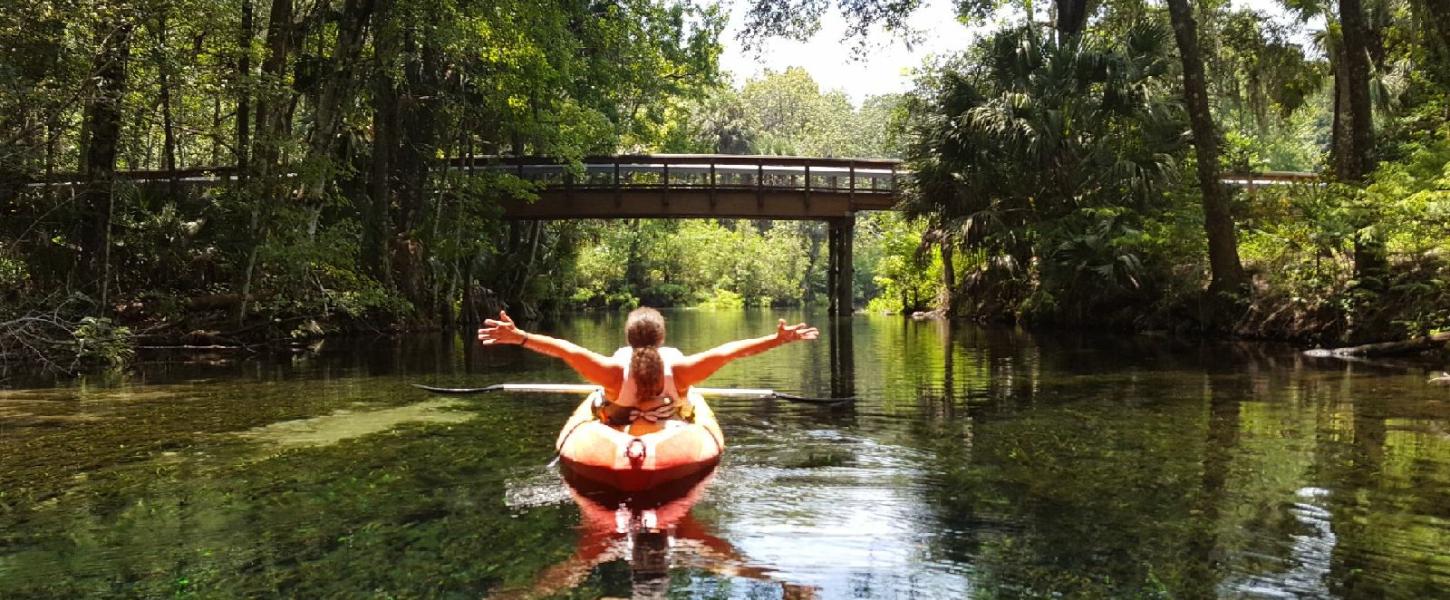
<point>597,452</point>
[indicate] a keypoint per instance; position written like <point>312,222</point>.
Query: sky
<point>888,65</point>
<point>885,68</point>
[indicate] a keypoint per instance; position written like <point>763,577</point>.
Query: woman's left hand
<point>799,331</point>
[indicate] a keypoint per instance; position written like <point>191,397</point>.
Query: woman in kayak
<point>644,383</point>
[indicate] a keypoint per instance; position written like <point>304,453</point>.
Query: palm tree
<point>1033,139</point>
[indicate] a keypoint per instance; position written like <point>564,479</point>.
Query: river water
<point>977,462</point>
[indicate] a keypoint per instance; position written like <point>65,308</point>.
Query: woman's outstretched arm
<point>697,367</point>
<point>593,366</point>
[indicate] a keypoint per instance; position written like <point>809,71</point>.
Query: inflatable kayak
<point>596,452</point>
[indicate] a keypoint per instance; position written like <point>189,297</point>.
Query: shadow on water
<point>976,462</point>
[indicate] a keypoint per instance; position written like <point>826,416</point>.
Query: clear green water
<point>984,463</point>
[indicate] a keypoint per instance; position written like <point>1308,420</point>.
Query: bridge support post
<point>840,278</point>
<point>831,286</point>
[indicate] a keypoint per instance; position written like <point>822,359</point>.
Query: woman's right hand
<point>799,331</point>
<point>502,331</point>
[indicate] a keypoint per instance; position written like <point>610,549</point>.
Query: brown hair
<point>645,330</point>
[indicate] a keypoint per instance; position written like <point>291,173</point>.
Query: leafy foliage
<point>1041,152</point>
<point>786,113</point>
<point>664,263</point>
<point>905,277</point>
<point>360,100</point>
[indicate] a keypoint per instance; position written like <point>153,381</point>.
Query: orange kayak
<point>602,454</point>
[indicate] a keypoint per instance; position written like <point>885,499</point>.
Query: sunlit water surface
<point>984,463</point>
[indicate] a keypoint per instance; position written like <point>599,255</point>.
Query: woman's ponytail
<point>645,330</point>
<point>648,372</point>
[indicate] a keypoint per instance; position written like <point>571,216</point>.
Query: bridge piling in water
<point>840,275</point>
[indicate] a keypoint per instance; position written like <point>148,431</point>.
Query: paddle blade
<point>542,388</point>
<point>456,391</point>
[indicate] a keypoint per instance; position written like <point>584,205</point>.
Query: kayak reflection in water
<point>653,531</point>
<point>645,383</point>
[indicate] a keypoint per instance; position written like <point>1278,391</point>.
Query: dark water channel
<point>982,463</point>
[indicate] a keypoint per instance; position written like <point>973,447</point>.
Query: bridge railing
<point>704,172</point>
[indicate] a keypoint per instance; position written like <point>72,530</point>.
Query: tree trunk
<point>376,241</point>
<point>520,291</point>
<point>98,165</point>
<point>337,87</point>
<point>1341,148</point>
<point>265,150</point>
<point>385,125</point>
<point>216,131</point>
<point>1356,73</point>
<point>812,233</point>
<point>415,151</point>
<point>948,272</point>
<point>1358,163</point>
<point>270,104</point>
<point>634,271</point>
<point>1434,18</point>
<point>52,134</point>
<point>1223,255</point>
<point>168,132</point>
<point>244,94</point>
<point>418,136</point>
<point>1072,16</point>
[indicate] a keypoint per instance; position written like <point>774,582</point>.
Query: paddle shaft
<point>584,388</point>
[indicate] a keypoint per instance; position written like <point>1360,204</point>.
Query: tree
<point>1266,91</point>
<point>1227,272</point>
<point>1434,21</point>
<point>1072,15</point>
<point>102,131</point>
<point>335,115</point>
<point>1034,140</point>
<point>1354,150</point>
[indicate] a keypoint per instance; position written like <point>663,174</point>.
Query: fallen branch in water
<point>43,338</point>
<point>1419,344</point>
<point>56,341</point>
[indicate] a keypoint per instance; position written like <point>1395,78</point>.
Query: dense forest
<point>1130,118</point>
<point>1068,164</point>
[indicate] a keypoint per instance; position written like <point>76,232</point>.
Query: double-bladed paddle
<point>580,388</point>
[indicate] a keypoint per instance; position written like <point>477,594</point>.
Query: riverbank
<point>72,344</point>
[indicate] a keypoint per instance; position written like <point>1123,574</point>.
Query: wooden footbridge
<point>717,186</point>
<point>694,186</point>
<point>690,185</point>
